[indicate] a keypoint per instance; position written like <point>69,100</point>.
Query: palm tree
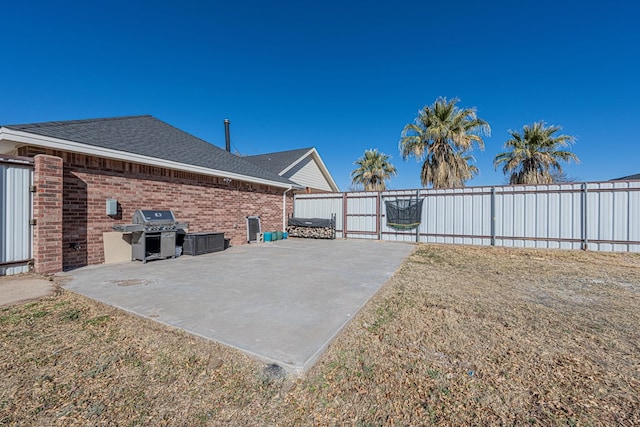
<point>442,135</point>
<point>534,155</point>
<point>373,170</point>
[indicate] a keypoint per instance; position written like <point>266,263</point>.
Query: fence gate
<point>16,204</point>
<point>361,213</point>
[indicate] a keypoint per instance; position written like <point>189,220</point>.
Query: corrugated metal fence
<point>601,216</point>
<point>16,176</point>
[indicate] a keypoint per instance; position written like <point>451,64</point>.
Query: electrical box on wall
<point>112,207</point>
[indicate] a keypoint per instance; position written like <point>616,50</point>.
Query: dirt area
<point>24,287</point>
<point>459,336</point>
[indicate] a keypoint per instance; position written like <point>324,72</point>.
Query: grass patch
<point>70,314</point>
<point>98,320</point>
<point>459,336</point>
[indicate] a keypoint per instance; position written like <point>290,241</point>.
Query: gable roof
<point>627,178</point>
<point>146,137</point>
<point>282,162</point>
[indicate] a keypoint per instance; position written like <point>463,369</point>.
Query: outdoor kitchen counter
<point>117,246</point>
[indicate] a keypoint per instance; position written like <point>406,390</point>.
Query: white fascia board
<point>325,172</point>
<point>77,147</point>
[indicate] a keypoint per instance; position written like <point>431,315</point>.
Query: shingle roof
<point>628,178</point>
<point>148,136</point>
<point>277,162</point>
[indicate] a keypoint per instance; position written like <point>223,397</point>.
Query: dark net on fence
<point>404,214</point>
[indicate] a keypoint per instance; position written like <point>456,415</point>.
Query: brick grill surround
<point>70,205</point>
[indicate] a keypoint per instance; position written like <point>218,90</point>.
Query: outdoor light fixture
<point>227,180</point>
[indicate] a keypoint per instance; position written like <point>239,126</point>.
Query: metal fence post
<point>585,208</point>
<point>344,215</point>
<point>418,227</point>
<point>493,216</point>
<point>379,214</point>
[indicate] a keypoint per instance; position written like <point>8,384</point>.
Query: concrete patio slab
<point>282,302</point>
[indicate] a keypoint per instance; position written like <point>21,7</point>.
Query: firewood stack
<point>311,232</point>
<point>316,228</point>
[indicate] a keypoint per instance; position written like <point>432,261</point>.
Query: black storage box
<point>202,243</point>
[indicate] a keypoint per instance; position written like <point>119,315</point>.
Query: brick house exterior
<point>71,189</point>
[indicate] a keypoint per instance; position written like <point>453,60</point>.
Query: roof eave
<point>76,147</point>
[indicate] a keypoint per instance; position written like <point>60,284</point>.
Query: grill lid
<point>149,220</point>
<point>150,216</point>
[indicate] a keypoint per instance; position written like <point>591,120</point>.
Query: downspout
<point>284,208</point>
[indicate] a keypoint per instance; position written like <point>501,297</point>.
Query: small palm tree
<point>374,169</point>
<point>442,135</point>
<point>534,155</point>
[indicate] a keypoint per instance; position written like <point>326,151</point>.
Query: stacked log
<point>311,232</point>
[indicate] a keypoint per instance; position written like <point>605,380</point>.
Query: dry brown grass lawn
<point>459,336</point>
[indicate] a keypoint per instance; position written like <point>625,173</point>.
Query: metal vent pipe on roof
<point>227,137</point>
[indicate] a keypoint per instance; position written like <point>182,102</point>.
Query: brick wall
<point>47,210</point>
<point>206,203</point>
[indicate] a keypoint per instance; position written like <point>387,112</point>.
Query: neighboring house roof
<point>142,139</point>
<point>302,166</point>
<point>627,178</point>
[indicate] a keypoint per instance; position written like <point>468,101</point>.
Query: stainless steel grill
<point>153,234</point>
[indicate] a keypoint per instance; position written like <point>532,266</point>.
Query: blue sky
<point>343,76</point>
